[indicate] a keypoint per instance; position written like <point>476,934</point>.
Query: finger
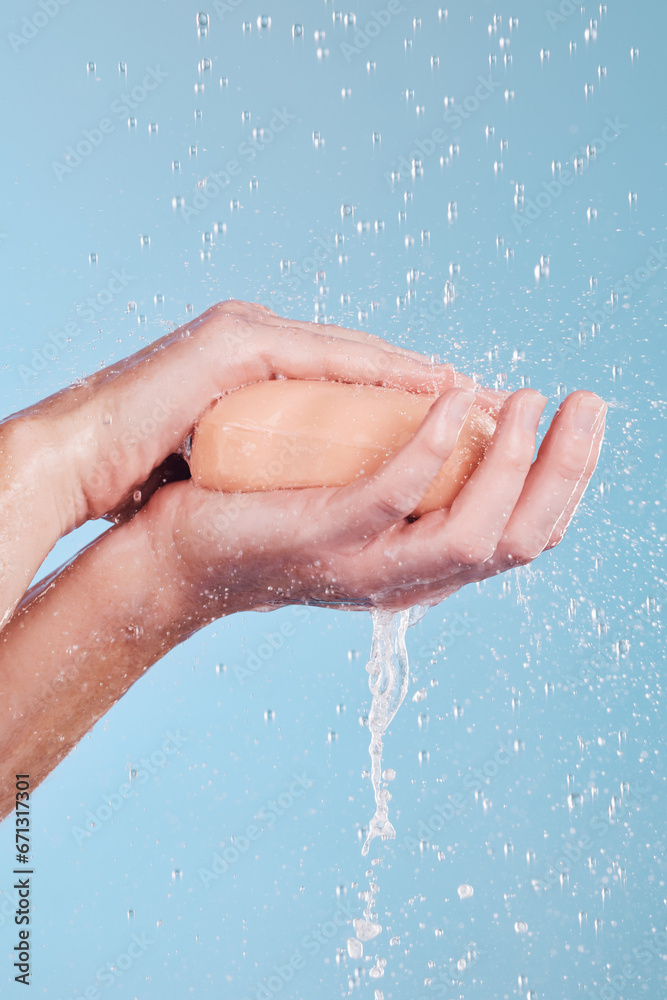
<point>563,522</point>
<point>487,398</point>
<point>558,478</point>
<point>331,330</point>
<point>480,513</point>
<point>371,505</point>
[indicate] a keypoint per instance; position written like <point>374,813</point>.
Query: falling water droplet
<point>355,949</point>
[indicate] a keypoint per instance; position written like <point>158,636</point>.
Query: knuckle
<point>517,461</point>
<point>569,470</point>
<point>396,505</point>
<point>524,549</point>
<point>474,552</point>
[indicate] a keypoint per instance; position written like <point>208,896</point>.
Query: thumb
<point>372,504</point>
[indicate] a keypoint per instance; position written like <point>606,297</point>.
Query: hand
<point>116,433</point>
<point>352,546</point>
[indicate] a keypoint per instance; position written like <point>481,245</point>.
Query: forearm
<point>76,647</point>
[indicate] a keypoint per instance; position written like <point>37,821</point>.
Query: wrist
<point>33,506</point>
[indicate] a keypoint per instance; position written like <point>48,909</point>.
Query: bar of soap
<point>290,433</point>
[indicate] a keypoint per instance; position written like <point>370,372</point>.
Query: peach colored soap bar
<point>287,433</point>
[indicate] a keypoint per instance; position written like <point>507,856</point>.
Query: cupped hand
<point>353,546</point>
<point>117,432</point>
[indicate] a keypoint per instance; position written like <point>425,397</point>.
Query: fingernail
<point>460,405</point>
<point>587,413</point>
<point>532,411</point>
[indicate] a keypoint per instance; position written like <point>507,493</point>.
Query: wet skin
<point>180,556</point>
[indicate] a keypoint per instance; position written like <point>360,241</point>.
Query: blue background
<point>514,663</point>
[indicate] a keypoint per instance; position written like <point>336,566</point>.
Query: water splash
<point>389,675</point>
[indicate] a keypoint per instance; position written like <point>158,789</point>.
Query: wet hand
<point>353,546</point>
<point>117,433</point>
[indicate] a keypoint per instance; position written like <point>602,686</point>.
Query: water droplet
<point>465,891</point>
<point>131,122</point>
<point>366,930</point>
<point>297,30</point>
<point>269,715</point>
<point>130,914</point>
<point>92,258</point>
<point>152,128</point>
<point>521,927</point>
<point>332,736</point>
<point>263,21</point>
<point>202,20</point>
<point>136,496</point>
<point>176,874</point>
<point>377,971</point>
<point>90,67</point>
<point>355,949</point>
